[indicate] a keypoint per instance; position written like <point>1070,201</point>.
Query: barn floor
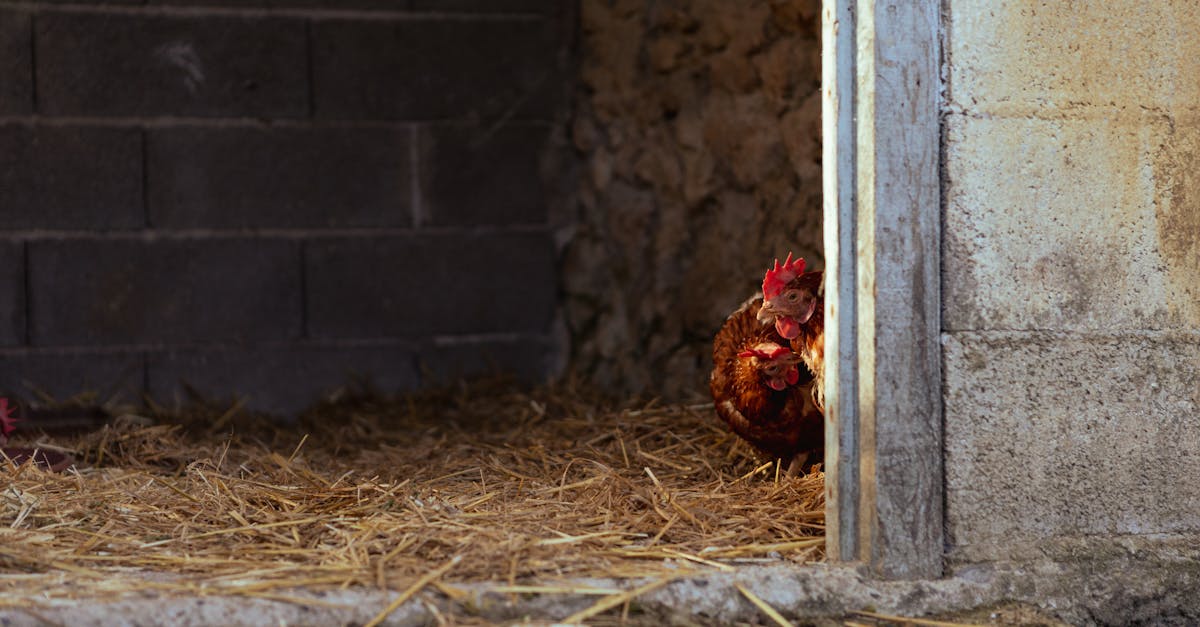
<point>485,504</point>
<point>531,492</point>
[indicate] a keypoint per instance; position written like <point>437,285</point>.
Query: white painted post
<point>841,399</point>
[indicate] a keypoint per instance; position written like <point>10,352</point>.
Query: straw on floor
<point>528,489</point>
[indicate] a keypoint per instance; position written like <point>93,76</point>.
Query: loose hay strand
<point>581,590</point>
<point>413,589</point>
<point>532,488</point>
<point>609,602</point>
<point>763,606</point>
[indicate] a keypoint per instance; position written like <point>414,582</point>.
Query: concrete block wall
<point>1071,273</point>
<point>266,197</point>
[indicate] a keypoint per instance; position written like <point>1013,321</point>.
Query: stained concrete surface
<point>1023,54</point>
<point>1086,581</point>
<point>1040,233</point>
<point>1070,271</point>
<point>1055,433</point>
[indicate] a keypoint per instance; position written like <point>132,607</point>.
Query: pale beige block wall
<point>1071,272</point>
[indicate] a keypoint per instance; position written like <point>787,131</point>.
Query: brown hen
<point>761,394</point>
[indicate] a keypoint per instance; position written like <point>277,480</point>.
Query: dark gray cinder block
<point>16,63</point>
<point>279,380</point>
<point>12,293</point>
<point>70,178</point>
<point>435,69</point>
<point>490,6</point>
<point>91,292</point>
<point>427,285</point>
<point>67,374</point>
<point>279,177</point>
<point>525,359</point>
<point>127,65</point>
<point>474,175</point>
<point>100,2</point>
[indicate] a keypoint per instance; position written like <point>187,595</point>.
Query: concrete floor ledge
<point>1128,581</point>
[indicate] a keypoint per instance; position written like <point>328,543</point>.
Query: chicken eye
<point>793,296</point>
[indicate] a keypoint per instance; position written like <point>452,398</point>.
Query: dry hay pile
<point>520,487</point>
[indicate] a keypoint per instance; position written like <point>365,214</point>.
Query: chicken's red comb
<point>778,277</point>
<point>765,351</point>
<point>7,422</point>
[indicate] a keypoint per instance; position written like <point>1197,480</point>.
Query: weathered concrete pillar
<point>882,207</point>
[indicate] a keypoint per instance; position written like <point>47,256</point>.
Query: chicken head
<point>775,364</point>
<point>789,297</point>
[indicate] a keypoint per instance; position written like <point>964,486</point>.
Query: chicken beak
<point>766,313</point>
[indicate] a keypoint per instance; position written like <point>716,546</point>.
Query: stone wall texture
<point>1071,270</point>
<point>698,124</point>
<point>265,198</point>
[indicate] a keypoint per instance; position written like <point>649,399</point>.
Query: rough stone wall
<point>263,197</point>
<point>699,125</point>
<point>1071,271</point>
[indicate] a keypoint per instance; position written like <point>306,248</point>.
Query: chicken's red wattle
<point>788,327</point>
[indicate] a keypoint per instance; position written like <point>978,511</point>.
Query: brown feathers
<point>761,394</point>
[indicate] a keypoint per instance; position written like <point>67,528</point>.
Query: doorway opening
<point>697,139</point>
